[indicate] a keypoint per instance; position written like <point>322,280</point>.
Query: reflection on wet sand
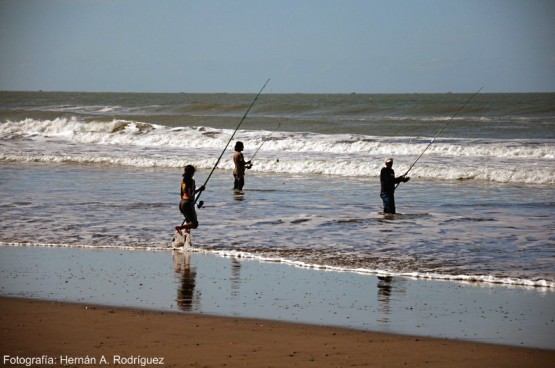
<point>387,286</point>
<point>187,297</point>
<point>235,277</point>
<point>384,295</point>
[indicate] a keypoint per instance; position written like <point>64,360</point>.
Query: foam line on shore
<point>471,279</point>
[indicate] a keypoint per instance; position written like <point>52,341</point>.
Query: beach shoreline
<point>200,283</point>
<point>52,333</point>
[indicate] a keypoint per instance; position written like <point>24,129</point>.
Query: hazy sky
<point>308,46</point>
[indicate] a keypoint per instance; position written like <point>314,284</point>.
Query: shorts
<point>187,208</point>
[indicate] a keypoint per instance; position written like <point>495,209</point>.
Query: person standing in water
<point>187,203</point>
<point>388,182</point>
<point>240,166</point>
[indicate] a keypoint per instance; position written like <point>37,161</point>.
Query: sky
<point>303,46</point>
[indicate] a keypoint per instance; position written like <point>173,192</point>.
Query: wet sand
<point>203,310</point>
<point>66,334</point>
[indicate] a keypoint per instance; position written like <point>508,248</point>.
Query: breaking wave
<point>132,143</point>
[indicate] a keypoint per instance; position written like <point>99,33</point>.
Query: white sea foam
<point>119,142</point>
<point>485,279</point>
<point>480,279</point>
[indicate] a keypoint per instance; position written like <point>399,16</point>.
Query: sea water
<point>103,170</point>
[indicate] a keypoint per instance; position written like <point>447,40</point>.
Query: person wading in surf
<point>388,183</point>
<point>187,203</point>
<point>240,166</point>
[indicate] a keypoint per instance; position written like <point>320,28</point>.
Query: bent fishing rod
<point>440,131</point>
<point>201,203</point>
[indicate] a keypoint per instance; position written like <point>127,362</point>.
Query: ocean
<point>103,170</point>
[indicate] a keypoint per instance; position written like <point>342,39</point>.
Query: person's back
<point>239,162</point>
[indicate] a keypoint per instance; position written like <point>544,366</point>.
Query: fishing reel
<point>200,204</point>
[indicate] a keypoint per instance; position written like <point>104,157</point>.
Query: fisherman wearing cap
<point>388,182</point>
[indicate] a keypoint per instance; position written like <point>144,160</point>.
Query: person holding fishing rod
<point>187,203</point>
<point>388,184</point>
<point>200,204</point>
<point>240,166</point>
<point>189,196</point>
<point>387,176</point>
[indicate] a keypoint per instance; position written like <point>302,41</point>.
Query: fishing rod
<point>201,203</point>
<point>263,141</point>
<point>440,131</point>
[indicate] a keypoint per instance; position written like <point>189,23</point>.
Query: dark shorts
<point>239,182</point>
<point>187,208</point>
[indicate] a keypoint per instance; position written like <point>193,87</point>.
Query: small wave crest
<point>473,279</point>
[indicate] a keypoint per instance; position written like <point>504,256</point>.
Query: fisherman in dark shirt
<point>388,182</point>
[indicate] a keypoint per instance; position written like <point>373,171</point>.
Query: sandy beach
<point>78,335</point>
